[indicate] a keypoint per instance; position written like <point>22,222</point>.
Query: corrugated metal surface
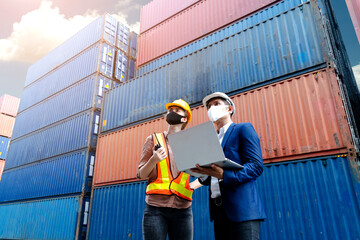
<point>9,105</point>
<point>2,166</point>
<point>116,212</point>
<point>222,34</point>
<point>4,145</point>
<point>285,44</point>
<point>67,174</point>
<point>310,199</point>
<point>6,125</point>
<point>209,15</point>
<point>120,66</point>
<point>296,197</point>
<point>77,98</point>
<point>304,115</point>
<point>69,135</point>
<point>354,10</point>
<point>73,46</point>
<point>157,11</point>
<point>98,58</point>
<point>122,40</point>
<point>296,118</point>
<point>351,93</point>
<point>44,219</point>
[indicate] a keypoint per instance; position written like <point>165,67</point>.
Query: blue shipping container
<point>289,43</point>
<point>77,98</point>
<point>121,66</point>
<point>303,200</point>
<point>133,45</point>
<point>58,218</point>
<point>4,145</point>
<point>117,210</point>
<point>122,39</point>
<point>311,199</point>
<point>69,135</point>
<point>102,28</point>
<point>98,58</point>
<point>67,174</point>
<point>220,35</point>
<point>131,69</point>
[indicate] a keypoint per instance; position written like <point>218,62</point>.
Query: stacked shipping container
<point>275,110</point>
<point>296,196</point>
<point>132,55</point>
<point>278,61</point>
<point>354,10</point>
<point>51,158</point>
<point>9,106</point>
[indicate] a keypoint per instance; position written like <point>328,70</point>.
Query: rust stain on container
<point>297,118</point>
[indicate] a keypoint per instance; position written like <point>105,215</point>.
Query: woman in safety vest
<point>168,193</point>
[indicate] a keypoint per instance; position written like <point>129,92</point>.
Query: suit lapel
<point>227,134</point>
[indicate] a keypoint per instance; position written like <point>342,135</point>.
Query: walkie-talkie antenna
<point>158,145</point>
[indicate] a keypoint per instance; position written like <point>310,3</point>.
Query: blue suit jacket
<point>240,197</point>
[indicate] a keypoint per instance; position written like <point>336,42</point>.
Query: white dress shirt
<point>214,187</point>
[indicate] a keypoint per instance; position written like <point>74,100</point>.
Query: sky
<point>29,29</point>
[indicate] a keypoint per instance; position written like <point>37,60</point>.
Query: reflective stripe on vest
<point>162,184</point>
<point>181,187</point>
<point>165,184</point>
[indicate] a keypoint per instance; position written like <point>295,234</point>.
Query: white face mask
<point>216,112</point>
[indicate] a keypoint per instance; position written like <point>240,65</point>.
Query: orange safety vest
<point>165,184</point>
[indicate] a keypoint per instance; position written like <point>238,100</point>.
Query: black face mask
<point>173,118</point>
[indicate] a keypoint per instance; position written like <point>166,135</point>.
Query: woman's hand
<point>159,155</point>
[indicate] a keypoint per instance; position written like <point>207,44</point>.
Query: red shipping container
<point>9,105</point>
<point>6,125</point>
<point>354,10</point>
<point>2,166</point>
<point>297,118</point>
<point>196,21</point>
<point>157,11</point>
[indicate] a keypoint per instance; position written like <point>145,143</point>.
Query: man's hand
<point>159,154</point>
<point>195,184</point>
<point>214,171</point>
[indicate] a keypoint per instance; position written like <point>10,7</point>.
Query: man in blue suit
<point>235,206</point>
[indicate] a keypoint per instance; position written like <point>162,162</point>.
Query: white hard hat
<point>219,95</point>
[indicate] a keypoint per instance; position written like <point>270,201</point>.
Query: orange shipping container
<point>189,24</point>
<point>2,165</point>
<point>9,105</point>
<point>296,118</point>
<point>6,125</point>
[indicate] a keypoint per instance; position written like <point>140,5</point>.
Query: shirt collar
<point>225,127</point>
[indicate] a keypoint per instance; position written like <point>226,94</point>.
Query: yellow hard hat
<point>182,104</point>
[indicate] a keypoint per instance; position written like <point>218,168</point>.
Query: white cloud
<point>127,6</point>
<point>43,29</point>
<point>40,31</point>
<point>356,70</point>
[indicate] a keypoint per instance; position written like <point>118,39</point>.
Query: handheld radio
<point>157,146</point>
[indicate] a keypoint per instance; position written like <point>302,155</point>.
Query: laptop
<point>198,145</point>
